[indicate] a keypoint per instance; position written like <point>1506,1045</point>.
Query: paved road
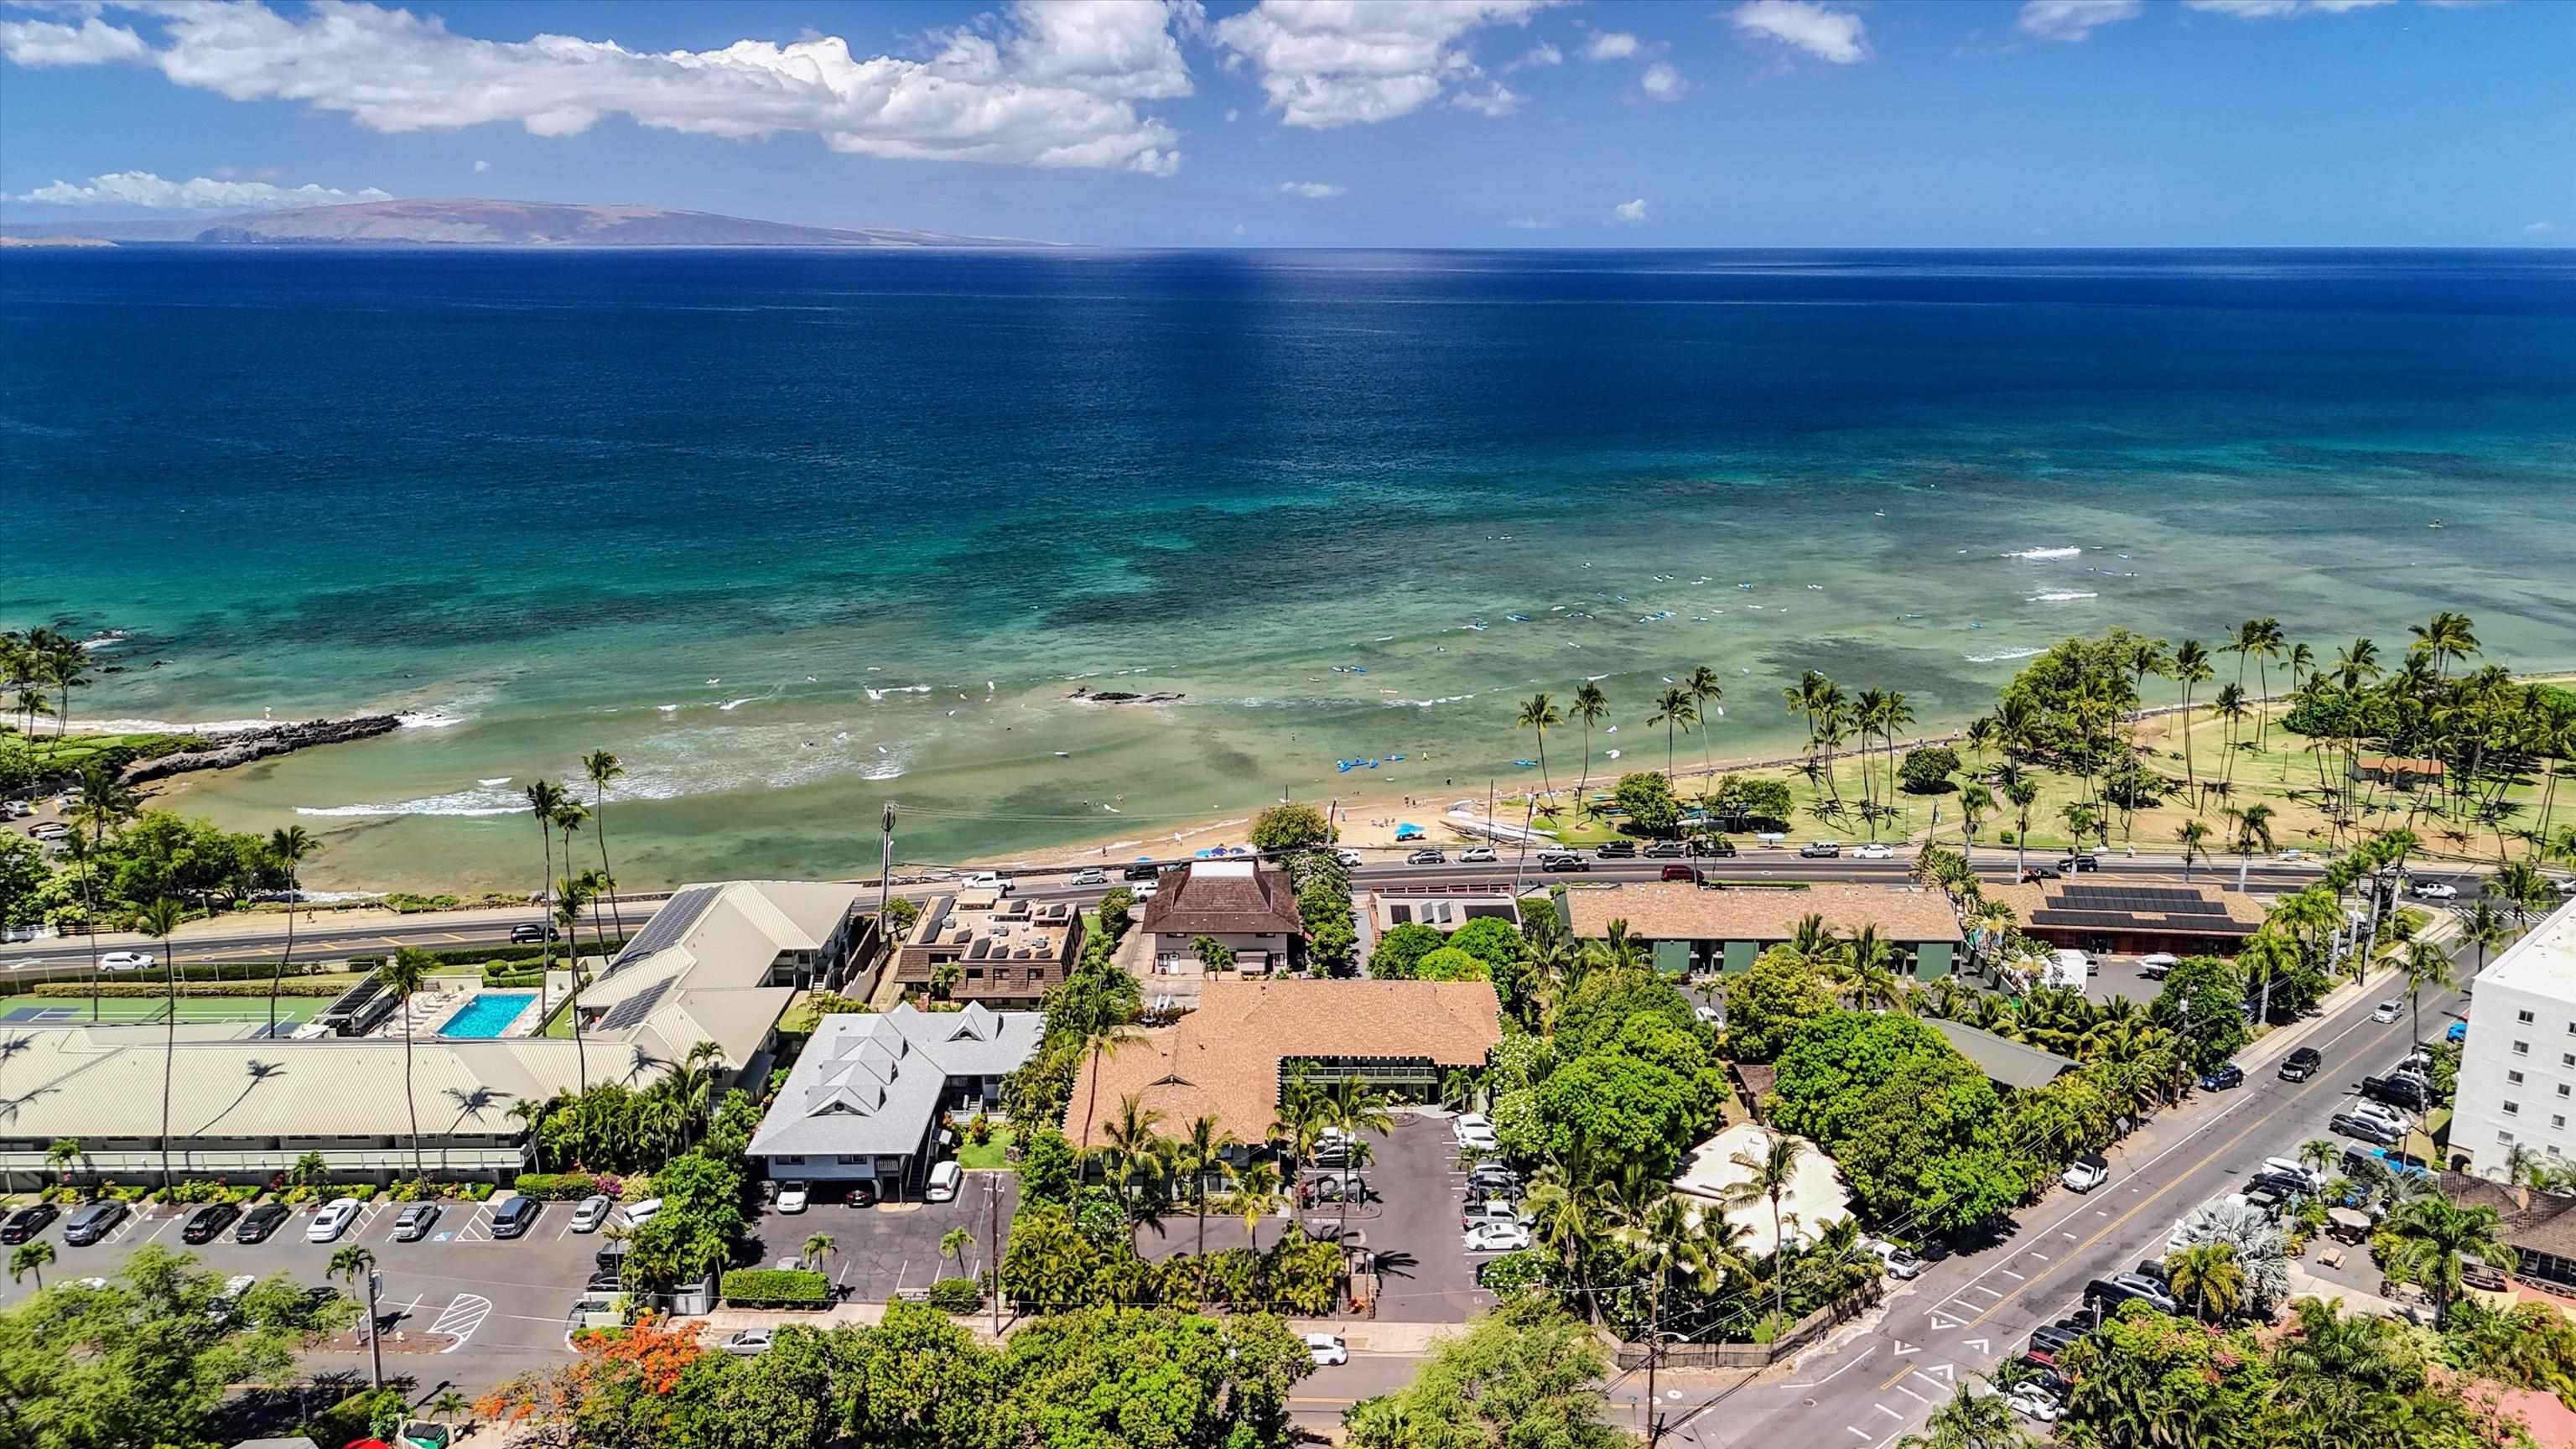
<point>1968,1312</point>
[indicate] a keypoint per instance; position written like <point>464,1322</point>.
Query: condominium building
<point>2518,1066</point>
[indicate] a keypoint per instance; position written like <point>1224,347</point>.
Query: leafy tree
<point>1649,802</point>
<point>1522,1376</point>
<point>1126,1376</point>
<point>1290,826</point>
<point>1049,1170</point>
<point>1490,939</point>
<point>1624,1108</point>
<point>1927,771</point>
<point>148,1359</point>
<point>1767,1004</point>
<point>1114,920</point>
<point>2148,1379</point>
<point>1910,1120</point>
<point>2203,1002</point>
<point>1451,964</point>
<point>1400,950</point>
<point>1969,1419</point>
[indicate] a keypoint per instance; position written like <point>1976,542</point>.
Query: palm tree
<point>1673,709</point>
<point>2192,835</point>
<point>355,1265</point>
<point>530,1114</point>
<point>1101,1039</point>
<point>544,799</point>
<point>60,1156</point>
<point>953,1244</point>
<point>1202,1150</point>
<point>2191,666</point>
<point>820,1247</point>
<point>1130,1147</point>
<point>2209,1277</point>
<point>2430,1237</point>
<point>65,666</point>
<point>603,767</point>
<point>448,1407</point>
<point>2426,965</point>
<point>1256,1196</point>
<point>1976,802</point>
<point>1540,714</point>
<point>1969,1420</point>
<point>1774,1170</point>
<point>2023,794</point>
<point>2484,927</point>
<point>402,976</point>
<point>572,896</point>
<point>1569,1219</point>
<point>290,845</point>
<point>2253,827</point>
<point>1591,707</point>
<point>160,918</point>
<point>1704,685</point>
<point>31,1257</point>
<point>1357,1112</point>
<point>2446,637</point>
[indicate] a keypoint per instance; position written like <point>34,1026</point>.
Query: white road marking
<point>1978,1344</point>
<point>463,1314</point>
<point>1944,1321</point>
<point>1860,1434</point>
<point>2016,1277</point>
<point>1891,1413</point>
<point>1940,1373</point>
<point>1903,1348</point>
<point>1829,1378</point>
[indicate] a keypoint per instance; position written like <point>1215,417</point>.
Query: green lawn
<point>991,1154</point>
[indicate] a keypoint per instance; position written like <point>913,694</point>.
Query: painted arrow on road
<point>1941,1371</point>
<point>1943,1321</point>
<point>1903,1348</point>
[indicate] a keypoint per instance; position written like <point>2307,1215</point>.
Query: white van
<point>945,1179</point>
<point>640,1213</point>
<point>332,1221</point>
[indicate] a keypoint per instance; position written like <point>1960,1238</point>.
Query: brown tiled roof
<point>2047,895</point>
<point>1223,1059</point>
<point>1229,904</point>
<point>1679,911</point>
<point>2537,1222</point>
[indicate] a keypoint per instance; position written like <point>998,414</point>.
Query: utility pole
<point>375,1339</point>
<point>993,1243</point>
<point>885,867</point>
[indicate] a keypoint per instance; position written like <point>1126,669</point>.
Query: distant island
<point>453,221</point>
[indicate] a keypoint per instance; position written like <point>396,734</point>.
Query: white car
<point>792,1196</point>
<point>640,1213</point>
<point>2435,890</point>
<point>2380,1112</point>
<point>49,830</point>
<point>748,1342</point>
<point>1900,1263</point>
<point>2033,1402</point>
<point>592,1214</point>
<point>1475,1132</point>
<point>1327,1349</point>
<point>1092,878</point>
<point>2086,1173</point>
<point>2157,965</point>
<point>2388,1011</point>
<point>944,1180</point>
<point>2565,885</point>
<point>125,961</point>
<point>1497,1238</point>
<point>1707,1014</point>
<point>1873,851</point>
<point>2291,857</point>
<point>984,880</point>
<point>332,1221</point>
<point>1347,857</point>
<point>1477,855</point>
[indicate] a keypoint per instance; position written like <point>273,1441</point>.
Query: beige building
<point>1697,929</point>
<point>1006,952</point>
<point>1250,911</point>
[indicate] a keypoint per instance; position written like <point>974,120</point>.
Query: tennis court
<point>129,1010</point>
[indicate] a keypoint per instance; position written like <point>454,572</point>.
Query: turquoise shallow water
<point>795,533</point>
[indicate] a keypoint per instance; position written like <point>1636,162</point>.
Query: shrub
<point>948,1295</point>
<point>1513,1273</point>
<point>292,986</point>
<point>979,1130</point>
<point>1927,771</point>
<point>556,1186</point>
<point>777,1288</point>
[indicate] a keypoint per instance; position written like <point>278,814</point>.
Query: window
<point>2513,1079</point>
<point>2558,1121</point>
<point>2522,1048</point>
<point>2565,1091</point>
<point>2523,1016</point>
<point>849,1159</point>
<point>2513,1109</point>
<point>2567,1059</point>
<point>2505,1137</point>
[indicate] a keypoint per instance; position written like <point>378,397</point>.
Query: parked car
<point>1820,850</point>
<point>1901,1263</point>
<point>1489,1210</point>
<point>2413,1093</point>
<point>592,1213</point>
<point>2436,890</point>
<point>125,961</point>
<point>792,1197</point>
<point>1617,850</point>
<point>2302,1064</point>
<point>2086,1173</point>
<point>2113,1291</point>
<point>514,1217</point>
<point>1491,1176</point>
<point>985,880</point>
<point>1091,878</point>
<point>2222,1078</point>
<point>208,1223</point>
<point>332,1221</point>
<point>414,1222</point>
<point>2294,1168</point>
<point>92,1221</point>
<point>1477,855</point>
<point>2053,1338</point>
<point>1874,851</point>
<point>28,1221</point>
<point>2368,1129</point>
<point>1497,1238</point>
<point>641,1212</point>
<point>1665,850</point>
<point>945,1178</point>
<point>1426,857</point>
<point>1475,1132</point>
<point>1564,863</point>
<point>2381,1112</point>
<point>748,1342</point>
<point>2033,1402</point>
<point>259,1222</point>
<point>1713,846</point>
<point>48,830</point>
<point>860,1193</point>
<point>1327,1349</point>
<point>2284,1184</point>
<point>2157,965</point>
<point>2388,1011</point>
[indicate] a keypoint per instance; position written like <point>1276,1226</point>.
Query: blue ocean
<point>797,532</point>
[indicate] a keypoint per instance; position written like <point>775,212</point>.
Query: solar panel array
<point>669,924</point>
<point>633,1010</point>
<point>2114,906</point>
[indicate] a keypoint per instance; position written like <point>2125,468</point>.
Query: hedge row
<point>292,986</point>
<point>957,1295</point>
<point>484,955</point>
<point>776,1288</point>
<point>511,979</point>
<point>556,1186</point>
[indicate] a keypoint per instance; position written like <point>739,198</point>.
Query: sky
<point>1346,123</point>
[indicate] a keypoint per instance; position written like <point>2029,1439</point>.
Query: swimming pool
<point>488,1015</point>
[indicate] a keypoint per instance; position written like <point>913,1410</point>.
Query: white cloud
<point>2540,228</point>
<point>1541,54</point>
<point>1327,63</point>
<point>1238,228</point>
<point>34,43</point>
<point>1664,83</point>
<point>204,193</point>
<point>1045,84</point>
<point>482,166</point>
<point>1827,34</point>
<point>1496,100</point>
<point>2074,19</point>
<point>1610,45</point>
<point>1232,115</point>
<point>1629,211</point>
<point>1531,223</point>
<point>1311,190</point>
<point>2275,9</point>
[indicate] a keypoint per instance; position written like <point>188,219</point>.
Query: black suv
<point>2287,1184</point>
<point>1142,870</point>
<point>209,1223</point>
<point>1714,846</point>
<point>2302,1064</point>
<point>28,1221</point>
<point>259,1222</point>
<point>533,935</point>
<point>1617,850</point>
